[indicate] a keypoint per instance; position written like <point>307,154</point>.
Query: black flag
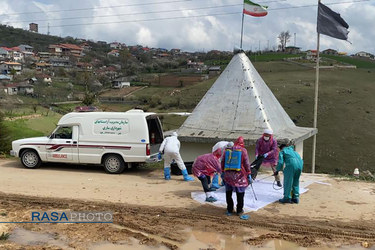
<point>331,24</point>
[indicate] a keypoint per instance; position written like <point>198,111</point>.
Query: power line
<point>184,17</point>
<point>143,20</point>
<point>94,8</point>
<point>314,5</point>
<point>131,14</point>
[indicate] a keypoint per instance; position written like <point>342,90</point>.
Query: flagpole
<point>242,29</point>
<point>316,102</point>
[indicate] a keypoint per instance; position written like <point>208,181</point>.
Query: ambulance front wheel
<point>30,159</point>
<point>113,164</point>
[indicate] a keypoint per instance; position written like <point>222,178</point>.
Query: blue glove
<point>250,179</point>
<point>265,155</point>
<point>159,156</point>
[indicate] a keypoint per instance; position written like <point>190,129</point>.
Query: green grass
<point>4,236</point>
<point>25,128</point>
<point>267,57</point>
<point>360,63</point>
<point>45,124</point>
<point>345,115</point>
<point>18,129</point>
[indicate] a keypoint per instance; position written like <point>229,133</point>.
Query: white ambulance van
<point>113,139</point>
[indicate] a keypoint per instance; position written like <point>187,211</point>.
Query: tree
<point>89,99</point>
<point>4,136</point>
<point>283,39</point>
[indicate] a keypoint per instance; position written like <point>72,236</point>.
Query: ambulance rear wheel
<point>30,159</point>
<point>113,164</point>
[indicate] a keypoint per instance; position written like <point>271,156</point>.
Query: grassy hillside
<point>345,113</point>
<point>360,63</point>
<point>345,116</point>
<point>11,37</point>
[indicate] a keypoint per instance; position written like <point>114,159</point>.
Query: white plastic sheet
<point>263,189</point>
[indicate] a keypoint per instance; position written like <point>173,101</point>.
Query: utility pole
<point>295,39</point>
<point>259,46</point>
<point>268,45</point>
<point>316,101</point>
<point>48,29</point>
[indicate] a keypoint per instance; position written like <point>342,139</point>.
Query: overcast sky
<point>192,33</point>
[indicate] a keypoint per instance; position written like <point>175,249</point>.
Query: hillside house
<point>3,53</point>
<point>194,67</point>
<point>120,83</point>
<point>82,66</point>
<point>6,68</point>
<point>103,43</point>
<point>364,54</point>
<point>312,55</point>
<point>41,66</point>
<point>27,50</point>
<point>25,89</point>
<point>16,54</point>
<point>109,71</point>
<point>175,51</point>
<point>66,49</point>
<point>214,71</point>
<point>292,50</point>
<point>25,47</point>
<point>5,79</point>
<point>44,78</point>
<point>114,53</point>
<point>11,89</point>
<point>43,56</point>
<point>33,80</point>
<point>117,45</point>
<point>60,62</point>
<point>330,52</point>
<point>86,47</point>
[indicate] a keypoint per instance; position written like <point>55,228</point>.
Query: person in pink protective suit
<point>266,146</point>
<point>237,175</point>
<point>204,167</point>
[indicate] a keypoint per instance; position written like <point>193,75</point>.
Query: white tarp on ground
<point>264,191</point>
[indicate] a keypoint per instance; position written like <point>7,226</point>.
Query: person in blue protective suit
<point>237,175</point>
<point>292,171</point>
<point>171,148</point>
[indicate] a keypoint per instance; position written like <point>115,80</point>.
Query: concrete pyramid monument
<point>239,103</point>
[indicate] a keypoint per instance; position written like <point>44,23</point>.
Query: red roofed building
<point>312,55</point>
<point>66,49</point>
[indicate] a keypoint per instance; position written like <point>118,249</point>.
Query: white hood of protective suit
<point>170,144</point>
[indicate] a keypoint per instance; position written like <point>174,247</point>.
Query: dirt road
<point>161,213</point>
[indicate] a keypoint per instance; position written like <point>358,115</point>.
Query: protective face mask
<point>266,138</point>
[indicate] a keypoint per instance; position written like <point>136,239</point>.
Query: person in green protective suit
<point>292,172</point>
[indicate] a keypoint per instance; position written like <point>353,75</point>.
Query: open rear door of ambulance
<point>155,134</point>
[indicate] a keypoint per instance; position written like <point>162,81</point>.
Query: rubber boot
<point>186,175</point>
<point>215,182</point>
<point>295,200</point>
<point>167,174</point>
<point>285,200</point>
<point>279,184</point>
<point>211,199</point>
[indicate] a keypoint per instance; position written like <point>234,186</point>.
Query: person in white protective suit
<point>171,148</point>
<point>222,145</point>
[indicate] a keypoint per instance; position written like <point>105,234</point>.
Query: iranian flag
<point>253,9</point>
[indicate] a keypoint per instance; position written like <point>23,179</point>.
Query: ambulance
<point>115,140</point>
